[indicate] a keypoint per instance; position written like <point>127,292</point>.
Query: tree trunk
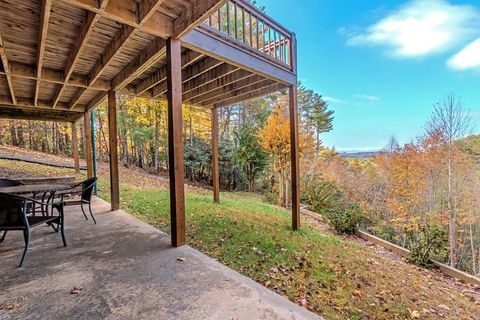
<point>451,214</point>
<point>13,133</point>
<point>157,142</point>
<point>472,247</point>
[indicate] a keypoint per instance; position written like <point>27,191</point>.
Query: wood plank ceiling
<point>59,58</point>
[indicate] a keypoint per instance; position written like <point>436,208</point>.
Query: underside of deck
<point>59,58</point>
<point>127,270</point>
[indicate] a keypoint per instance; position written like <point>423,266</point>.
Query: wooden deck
<point>59,58</point>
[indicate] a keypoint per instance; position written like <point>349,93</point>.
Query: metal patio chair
<point>85,190</point>
<point>13,217</point>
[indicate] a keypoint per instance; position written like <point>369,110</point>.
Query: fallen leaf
<point>414,314</point>
<point>357,293</point>
<point>76,290</point>
<point>11,306</point>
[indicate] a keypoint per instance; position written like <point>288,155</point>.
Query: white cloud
<point>367,97</point>
<point>334,100</point>
<point>366,100</point>
<point>421,27</point>
<point>467,58</point>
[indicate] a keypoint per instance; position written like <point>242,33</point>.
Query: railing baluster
<point>263,36</point>
<point>258,33</point>
<point>236,20</point>
<point>228,17</point>
<point>250,27</point>
<point>276,43</point>
<point>281,46</point>
<point>243,26</point>
<point>219,20</point>
<point>269,40</point>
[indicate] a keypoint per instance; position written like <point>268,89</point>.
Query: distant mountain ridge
<point>359,154</point>
<point>470,144</point>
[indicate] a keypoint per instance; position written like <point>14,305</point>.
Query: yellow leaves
<point>275,136</point>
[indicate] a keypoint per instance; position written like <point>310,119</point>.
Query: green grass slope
<point>336,277</point>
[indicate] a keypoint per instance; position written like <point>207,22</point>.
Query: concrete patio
<point>127,270</point>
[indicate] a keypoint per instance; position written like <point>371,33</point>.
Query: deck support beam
<point>295,163</point>
<point>113,147</point>
<point>7,69</point>
<point>42,39</point>
<point>175,142</point>
<point>215,170</point>
<point>76,159</point>
<point>87,127</point>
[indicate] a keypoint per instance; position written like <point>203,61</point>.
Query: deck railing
<point>240,21</point>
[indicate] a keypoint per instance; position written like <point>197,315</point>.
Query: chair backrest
<point>87,188</point>
<point>12,211</point>
<point>9,183</point>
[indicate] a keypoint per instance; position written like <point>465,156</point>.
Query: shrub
<point>320,195</point>
<point>270,196</point>
<point>384,231</point>
<point>426,242</point>
<point>326,198</point>
<point>345,220</point>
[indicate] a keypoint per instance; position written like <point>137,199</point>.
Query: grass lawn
<point>333,276</point>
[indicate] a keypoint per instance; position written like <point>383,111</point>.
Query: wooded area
<point>422,195</point>
<point>253,138</point>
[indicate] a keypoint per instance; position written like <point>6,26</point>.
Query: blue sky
<point>382,65</point>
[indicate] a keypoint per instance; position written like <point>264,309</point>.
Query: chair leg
<point>26,236</point>
<point>62,223</point>
<point>84,214</point>
<point>3,236</point>
<point>90,209</point>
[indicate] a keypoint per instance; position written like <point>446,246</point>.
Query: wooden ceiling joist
<point>204,78</point>
<point>146,9</point>
<point>24,103</point>
<point>230,94</point>
<point>80,43</point>
<point>246,82</point>
<point>42,37</point>
<point>106,58</point>
<point>160,75</point>
<point>221,82</point>
<point>250,95</point>
<point>195,71</point>
<point>38,113</point>
<point>6,69</point>
<point>24,71</point>
<point>154,51</point>
<point>143,61</point>
<point>209,77</point>
<point>128,12</point>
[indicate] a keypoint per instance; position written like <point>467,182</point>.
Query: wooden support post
<point>295,163</point>
<point>175,142</point>
<point>215,172</point>
<point>88,143</point>
<point>113,147</point>
<point>76,159</point>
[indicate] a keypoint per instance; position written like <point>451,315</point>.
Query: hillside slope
<point>334,276</point>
